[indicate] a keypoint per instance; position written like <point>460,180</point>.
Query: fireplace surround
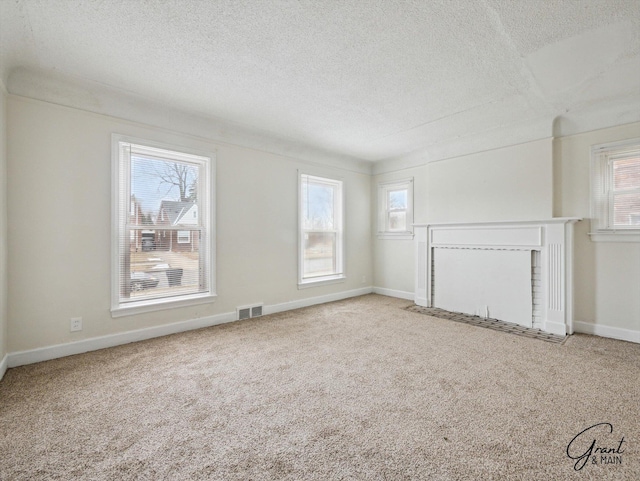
<point>515,271</point>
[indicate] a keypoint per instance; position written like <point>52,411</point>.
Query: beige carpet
<point>357,389</point>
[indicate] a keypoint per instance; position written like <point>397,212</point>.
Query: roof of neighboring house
<point>174,210</point>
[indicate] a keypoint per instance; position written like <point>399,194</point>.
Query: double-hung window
<point>163,227</point>
<point>615,191</point>
<point>321,236</point>
<point>395,209</point>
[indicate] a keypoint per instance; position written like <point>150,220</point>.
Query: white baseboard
<point>4,365</point>
<point>410,296</point>
<point>607,331</point>
<point>21,358</point>
<point>93,344</point>
<point>312,301</point>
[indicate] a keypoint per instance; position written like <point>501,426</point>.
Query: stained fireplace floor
<point>488,323</point>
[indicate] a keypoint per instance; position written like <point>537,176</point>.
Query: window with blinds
<point>321,230</point>
<point>615,190</point>
<point>163,226</point>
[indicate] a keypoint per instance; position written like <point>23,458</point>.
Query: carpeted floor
<point>356,389</point>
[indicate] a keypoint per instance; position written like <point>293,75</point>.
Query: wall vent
<point>247,312</point>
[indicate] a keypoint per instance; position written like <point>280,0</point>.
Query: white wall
<point>59,198</point>
<point>3,228</point>
<point>527,182</point>
<point>606,274</point>
<point>512,183</point>
<point>58,161</point>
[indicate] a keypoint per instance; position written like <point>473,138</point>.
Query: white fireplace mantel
<point>552,238</point>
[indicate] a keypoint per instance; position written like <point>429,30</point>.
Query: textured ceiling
<point>366,79</point>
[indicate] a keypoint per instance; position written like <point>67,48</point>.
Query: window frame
<point>182,233</point>
<point>602,192</point>
<point>120,189</point>
<point>384,188</point>
<point>340,274</point>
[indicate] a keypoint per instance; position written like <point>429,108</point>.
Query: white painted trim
<point>390,236</point>
<point>602,190</point>
<point>21,358</point>
<point>568,293</point>
<point>322,281</point>
<point>48,87</point>
<point>340,221</point>
<point>558,328</point>
<point>615,236</point>
<point>383,209</point>
<point>453,149</point>
<point>383,291</point>
<point>122,149</point>
<point>312,301</point>
<point>4,365</point>
<point>93,344</point>
<point>161,304</point>
<point>552,237</point>
<point>607,331</point>
<point>553,220</point>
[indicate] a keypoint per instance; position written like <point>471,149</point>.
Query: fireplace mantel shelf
<point>553,220</point>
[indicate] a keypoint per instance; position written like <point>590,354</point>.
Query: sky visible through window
<point>398,199</point>
<point>319,205</point>
<point>151,182</point>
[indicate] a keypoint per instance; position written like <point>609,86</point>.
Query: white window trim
<point>383,189</point>
<point>340,240</point>
<point>208,214</point>
<point>188,235</point>
<point>600,197</point>
<point>153,305</point>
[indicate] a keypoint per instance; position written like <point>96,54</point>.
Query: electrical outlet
<point>364,279</point>
<point>76,324</point>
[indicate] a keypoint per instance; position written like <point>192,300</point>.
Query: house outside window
<point>321,238</point>
<point>615,192</point>
<point>395,209</point>
<point>163,222</point>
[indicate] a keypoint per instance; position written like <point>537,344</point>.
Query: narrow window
<point>163,228</point>
<point>395,209</point>
<point>321,230</point>
<point>615,191</point>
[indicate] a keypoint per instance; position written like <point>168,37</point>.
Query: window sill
<point>140,307</point>
<point>396,236</point>
<point>616,236</point>
<point>321,281</point>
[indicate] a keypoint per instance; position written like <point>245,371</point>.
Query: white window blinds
<point>164,225</point>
